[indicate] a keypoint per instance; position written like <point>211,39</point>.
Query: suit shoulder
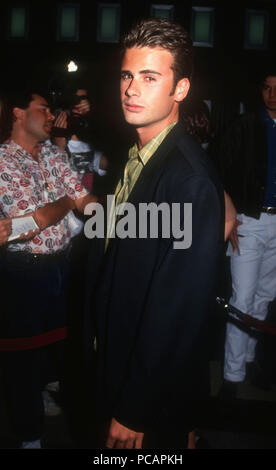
<point>188,161</point>
<point>189,157</point>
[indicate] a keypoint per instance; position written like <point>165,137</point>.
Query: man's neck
<point>272,113</point>
<point>145,134</point>
<point>27,143</point>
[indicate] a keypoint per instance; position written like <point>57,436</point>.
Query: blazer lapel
<point>155,165</point>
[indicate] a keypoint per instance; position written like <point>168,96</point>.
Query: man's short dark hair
<point>269,71</point>
<point>22,98</point>
<point>170,36</point>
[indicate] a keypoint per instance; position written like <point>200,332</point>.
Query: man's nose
<point>51,116</point>
<point>133,88</point>
<point>272,92</point>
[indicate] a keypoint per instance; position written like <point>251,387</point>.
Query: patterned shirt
<point>27,184</point>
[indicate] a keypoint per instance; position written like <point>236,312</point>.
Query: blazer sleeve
<point>169,348</point>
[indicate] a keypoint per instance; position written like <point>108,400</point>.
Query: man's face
<point>147,83</point>
<point>38,119</point>
<point>269,94</point>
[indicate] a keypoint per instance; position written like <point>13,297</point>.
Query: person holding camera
<point>72,132</point>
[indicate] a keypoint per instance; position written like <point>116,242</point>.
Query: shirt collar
<point>265,116</point>
<point>149,149</point>
<point>18,151</point>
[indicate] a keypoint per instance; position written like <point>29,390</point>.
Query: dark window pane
<point>18,22</point>
<point>162,11</point>
<point>202,27</point>
<point>256,29</point>
<point>68,27</point>
<point>108,23</point>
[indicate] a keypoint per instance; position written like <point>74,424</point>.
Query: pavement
<point>247,422</point>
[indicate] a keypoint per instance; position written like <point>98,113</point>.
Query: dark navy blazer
<point>148,304</point>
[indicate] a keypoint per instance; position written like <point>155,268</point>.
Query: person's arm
<point>230,216</point>
<point>48,215</point>
<point>53,212</point>
<point>231,223</point>
<point>81,203</point>
<point>5,230</point>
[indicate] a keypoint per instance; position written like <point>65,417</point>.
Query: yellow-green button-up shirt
<point>137,159</point>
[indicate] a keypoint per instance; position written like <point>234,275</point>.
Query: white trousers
<point>253,270</point>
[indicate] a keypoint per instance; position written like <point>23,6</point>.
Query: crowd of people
<point>145,301</point>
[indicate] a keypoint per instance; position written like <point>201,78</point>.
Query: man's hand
<point>61,123</point>
<point>61,120</point>
<point>81,203</point>
<point>230,216</point>
<point>82,108</point>
<point>28,236</point>
<point>120,437</point>
<point>234,237</point>
<point>5,230</point>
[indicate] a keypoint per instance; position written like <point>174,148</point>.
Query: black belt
<point>269,210</point>
<point>36,258</point>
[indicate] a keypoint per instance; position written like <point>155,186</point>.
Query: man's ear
<point>18,113</point>
<point>181,89</point>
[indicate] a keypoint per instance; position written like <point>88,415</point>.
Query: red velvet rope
<point>33,342</point>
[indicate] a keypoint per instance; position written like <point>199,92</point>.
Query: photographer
<point>72,132</point>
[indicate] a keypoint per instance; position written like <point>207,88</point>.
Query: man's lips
<point>133,108</point>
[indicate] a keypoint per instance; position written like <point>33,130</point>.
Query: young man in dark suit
<point>151,294</point>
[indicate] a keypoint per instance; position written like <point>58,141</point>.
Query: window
<point>256,29</point>
<point>202,30</point>
<point>68,22</point>
<point>108,22</point>
<point>162,11</point>
<point>19,23</point>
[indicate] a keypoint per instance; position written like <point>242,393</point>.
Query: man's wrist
<point>38,219</point>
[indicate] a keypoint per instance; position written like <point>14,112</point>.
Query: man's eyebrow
<point>143,72</point>
<point>150,71</point>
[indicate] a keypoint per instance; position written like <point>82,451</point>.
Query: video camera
<point>76,124</point>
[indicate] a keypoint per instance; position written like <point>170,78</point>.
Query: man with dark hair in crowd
<point>247,163</point>
<point>150,301</point>
<point>36,185</point>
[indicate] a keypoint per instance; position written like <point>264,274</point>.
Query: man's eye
<point>150,79</point>
<point>125,76</point>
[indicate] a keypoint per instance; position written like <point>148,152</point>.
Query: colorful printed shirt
<point>27,184</point>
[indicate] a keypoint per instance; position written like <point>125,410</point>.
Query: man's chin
<point>44,137</point>
<point>47,134</point>
<point>271,106</point>
<point>134,121</point>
